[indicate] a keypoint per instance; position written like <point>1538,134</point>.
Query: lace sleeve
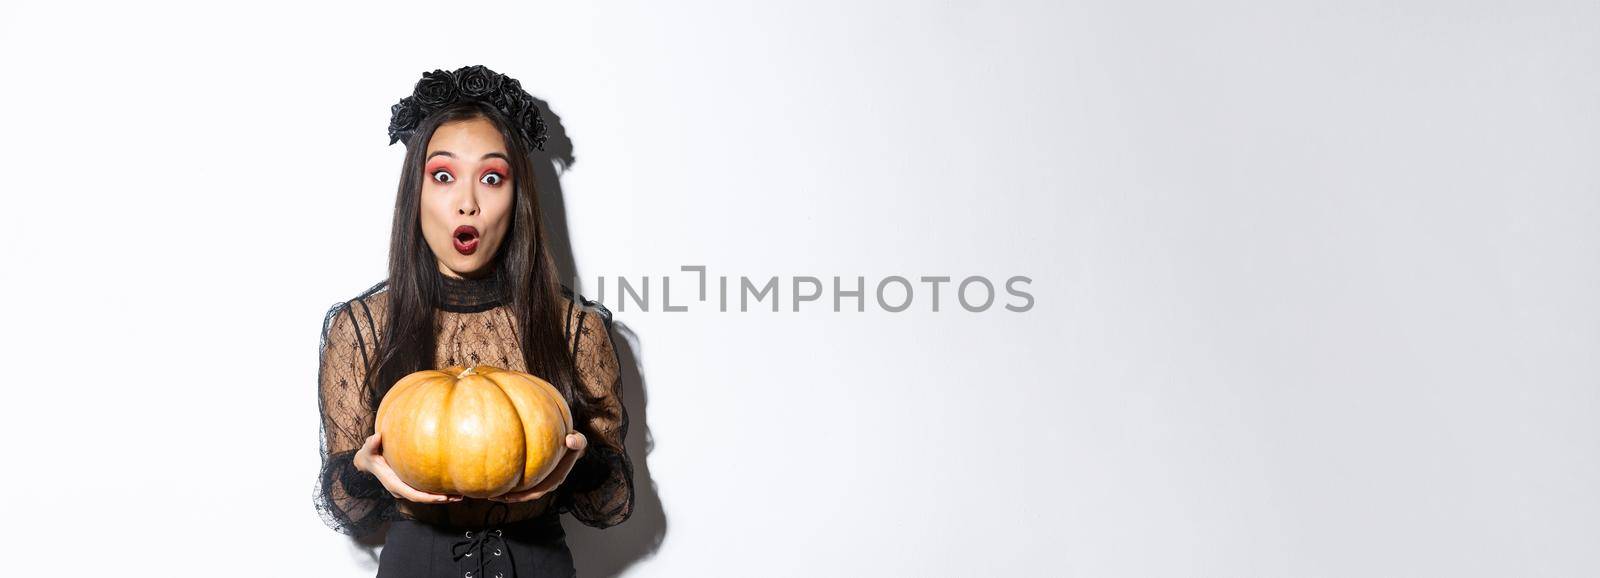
<point>599,490</point>
<point>349,500</point>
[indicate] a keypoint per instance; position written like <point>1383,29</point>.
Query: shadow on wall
<point>612,551</point>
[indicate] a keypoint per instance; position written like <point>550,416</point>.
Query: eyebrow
<point>485,156</point>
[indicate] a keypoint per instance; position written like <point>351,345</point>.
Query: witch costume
<point>472,538</point>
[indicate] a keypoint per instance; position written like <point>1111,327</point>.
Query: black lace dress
<point>472,538</point>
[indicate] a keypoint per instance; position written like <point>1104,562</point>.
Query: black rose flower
<point>436,89</point>
<point>440,89</point>
<point>531,123</point>
<point>476,81</point>
<point>507,101</point>
<point>403,117</point>
<point>525,106</point>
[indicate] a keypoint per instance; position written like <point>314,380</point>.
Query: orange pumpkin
<point>479,432</point>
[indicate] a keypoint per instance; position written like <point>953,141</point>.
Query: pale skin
<point>466,181</point>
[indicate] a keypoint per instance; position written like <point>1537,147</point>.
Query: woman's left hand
<point>577,444</point>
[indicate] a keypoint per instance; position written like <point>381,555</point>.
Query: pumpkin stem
<point>468,372</point>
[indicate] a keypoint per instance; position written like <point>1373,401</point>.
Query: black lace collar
<point>467,295</point>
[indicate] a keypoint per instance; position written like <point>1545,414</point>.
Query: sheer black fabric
<point>474,326</point>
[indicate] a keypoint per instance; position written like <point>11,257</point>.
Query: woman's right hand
<point>370,459</point>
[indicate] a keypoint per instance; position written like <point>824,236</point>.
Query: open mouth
<point>466,239</point>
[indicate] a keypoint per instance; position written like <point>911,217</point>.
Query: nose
<point>468,203</point>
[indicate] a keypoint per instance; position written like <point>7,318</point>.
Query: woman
<point>471,281</point>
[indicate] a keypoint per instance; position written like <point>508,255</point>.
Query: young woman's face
<point>467,191</point>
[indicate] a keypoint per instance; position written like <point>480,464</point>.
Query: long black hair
<point>522,266</point>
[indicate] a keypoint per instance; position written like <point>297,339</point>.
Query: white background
<point>1315,282</point>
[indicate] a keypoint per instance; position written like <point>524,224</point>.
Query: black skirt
<point>532,548</point>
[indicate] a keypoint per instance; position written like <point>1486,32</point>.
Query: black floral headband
<point>439,89</point>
